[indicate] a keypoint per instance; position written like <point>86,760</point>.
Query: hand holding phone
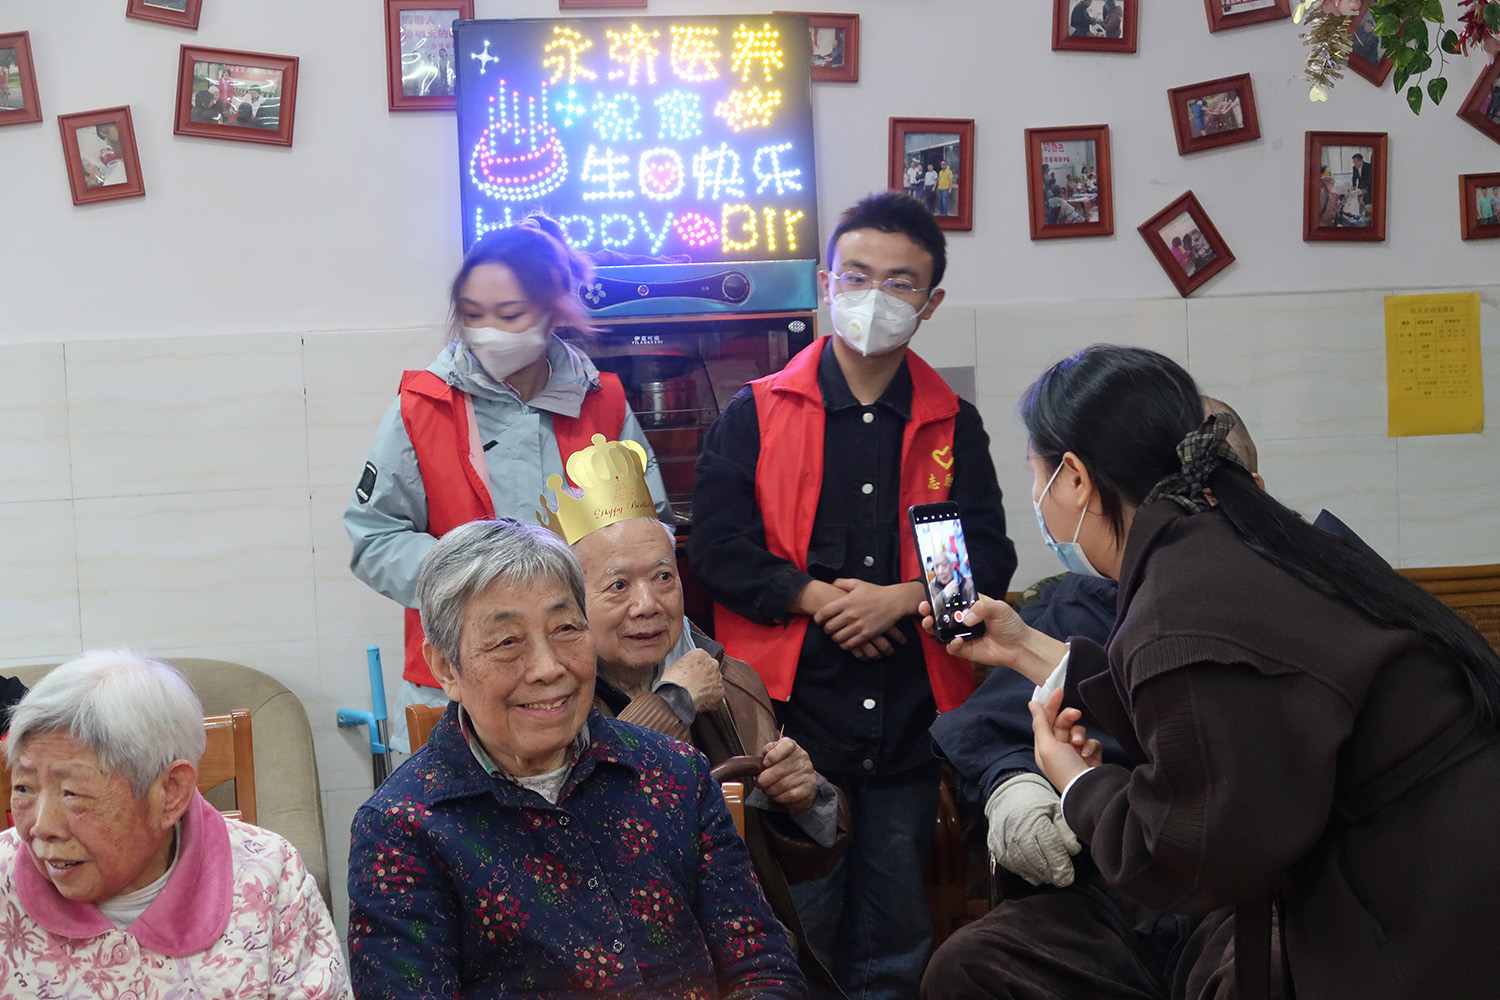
<point>944,561</point>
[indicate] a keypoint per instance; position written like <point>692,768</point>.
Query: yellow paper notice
<point>1433,364</point>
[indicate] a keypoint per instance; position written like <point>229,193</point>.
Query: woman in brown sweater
<point>1309,729</point>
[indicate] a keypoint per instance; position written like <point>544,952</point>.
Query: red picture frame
<point>109,167</point>
<point>1474,221</point>
<point>1331,208</point>
<point>1225,101</point>
<point>1064,12</point>
<point>22,79</point>
<point>599,4</point>
<point>1066,207</point>
<point>1186,244</point>
<point>1365,57</point>
<point>409,68</point>
<point>930,143</point>
<point>1482,107</point>
<point>144,10</point>
<point>1222,16</point>
<point>842,64</point>
<point>256,102</point>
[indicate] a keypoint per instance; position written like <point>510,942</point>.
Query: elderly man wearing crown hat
<point>658,671</point>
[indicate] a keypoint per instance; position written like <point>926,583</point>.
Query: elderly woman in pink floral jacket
<point>119,880</point>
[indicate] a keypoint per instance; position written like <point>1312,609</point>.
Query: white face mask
<point>502,354</point>
<point>872,322</point>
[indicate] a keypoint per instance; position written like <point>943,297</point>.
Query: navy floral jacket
<point>634,885</point>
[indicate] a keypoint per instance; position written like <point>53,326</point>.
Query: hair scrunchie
<point>1203,452</point>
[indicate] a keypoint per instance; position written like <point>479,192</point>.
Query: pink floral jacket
<point>240,917</point>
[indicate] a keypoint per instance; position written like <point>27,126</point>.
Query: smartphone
<point>944,561</point>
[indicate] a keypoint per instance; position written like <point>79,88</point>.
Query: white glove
<point>1028,834</point>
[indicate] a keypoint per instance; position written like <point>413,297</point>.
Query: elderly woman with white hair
<point>118,879</point>
<point>534,847</point>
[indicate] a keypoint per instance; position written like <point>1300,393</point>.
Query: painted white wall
<point>355,226</point>
<point>189,380</point>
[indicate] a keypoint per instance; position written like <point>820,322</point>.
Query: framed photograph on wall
<point>419,58</point>
<point>1068,187</point>
<point>1214,113</point>
<point>933,160</point>
<point>19,103</point>
<point>240,96</point>
<point>1186,244</point>
<point>1364,51</point>
<point>1482,107</point>
<point>1479,206</point>
<point>835,47</point>
<point>1343,194</point>
<point>180,13</point>
<point>100,152</point>
<point>1224,14</point>
<point>1095,25</point>
<point>598,4</point>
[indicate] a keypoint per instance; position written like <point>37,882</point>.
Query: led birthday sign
<point>650,136</point>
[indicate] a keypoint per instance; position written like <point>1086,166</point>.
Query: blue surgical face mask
<point>1070,554</point>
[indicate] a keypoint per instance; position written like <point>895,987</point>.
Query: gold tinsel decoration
<point>1327,41</point>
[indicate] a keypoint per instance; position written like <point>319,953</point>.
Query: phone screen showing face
<point>944,561</point>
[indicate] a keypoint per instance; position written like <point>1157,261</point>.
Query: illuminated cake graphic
<point>518,156</point>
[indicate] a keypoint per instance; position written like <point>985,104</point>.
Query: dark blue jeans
<point>868,920</point>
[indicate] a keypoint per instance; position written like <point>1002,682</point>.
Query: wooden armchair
<point>419,722</point>
<point>1472,591</point>
<point>230,756</point>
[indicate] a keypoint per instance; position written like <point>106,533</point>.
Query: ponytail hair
<point>537,253</point>
<point>1124,411</point>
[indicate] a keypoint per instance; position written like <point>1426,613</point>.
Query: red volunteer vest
<point>788,482</point>
<point>437,421</point>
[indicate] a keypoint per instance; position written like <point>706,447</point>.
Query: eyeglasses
<point>854,281</point>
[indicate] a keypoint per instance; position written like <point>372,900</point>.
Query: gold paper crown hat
<point>611,476</point>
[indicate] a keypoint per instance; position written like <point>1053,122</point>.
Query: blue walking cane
<point>380,749</point>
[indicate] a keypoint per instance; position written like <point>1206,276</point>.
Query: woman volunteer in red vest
<point>474,434</point>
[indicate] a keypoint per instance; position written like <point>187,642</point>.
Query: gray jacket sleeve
<point>387,516</point>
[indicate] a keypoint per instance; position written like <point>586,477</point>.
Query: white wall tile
<point>947,339</point>
<point>186,414</point>
<point>1294,366</point>
<point>39,582</point>
<point>34,424</point>
<point>1450,499</point>
<point>346,606</point>
<point>194,569</point>
<point>352,378</point>
<point>1015,344</point>
<point>1354,478</point>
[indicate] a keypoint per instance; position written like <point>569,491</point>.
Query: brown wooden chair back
<point>1471,591</point>
<point>420,719</point>
<point>230,756</point>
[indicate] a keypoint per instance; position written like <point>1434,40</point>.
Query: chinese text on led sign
<point>650,136</point>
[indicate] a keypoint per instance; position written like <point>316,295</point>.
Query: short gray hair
<point>471,557</point>
<point>135,714</point>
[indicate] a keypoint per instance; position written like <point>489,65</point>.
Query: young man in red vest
<point>800,533</point>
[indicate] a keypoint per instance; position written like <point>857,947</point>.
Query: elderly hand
<point>1028,834</point>
<point>698,673</point>
<point>865,612</point>
<point>788,778</point>
<point>1063,749</point>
